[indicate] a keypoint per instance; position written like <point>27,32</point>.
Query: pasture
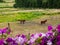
<point>33,19</point>
<point>29,26</point>
<point>32,24</point>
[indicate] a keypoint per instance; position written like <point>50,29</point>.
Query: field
<point>41,25</point>
<point>32,24</point>
<point>33,19</point>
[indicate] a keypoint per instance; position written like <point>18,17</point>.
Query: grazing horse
<point>43,22</point>
<point>22,21</point>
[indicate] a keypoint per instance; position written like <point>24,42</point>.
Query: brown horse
<point>43,22</point>
<point>22,21</point>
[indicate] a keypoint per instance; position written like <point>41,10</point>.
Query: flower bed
<point>52,37</point>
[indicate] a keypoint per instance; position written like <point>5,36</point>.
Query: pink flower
<point>4,30</point>
<point>50,28</point>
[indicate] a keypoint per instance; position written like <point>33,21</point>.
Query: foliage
<point>37,3</point>
<point>1,0</point>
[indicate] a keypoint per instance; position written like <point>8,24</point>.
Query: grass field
<point>15,17</point>
<point>33,18</point>
<point>23,16</point>
<point>32,26</point>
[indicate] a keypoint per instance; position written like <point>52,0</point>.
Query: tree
<point>44,3</point>
<point>39,3</point>
<point>50,3</point>
<point>1,0</point>
<point>26,3</point>
<point>56,3</point>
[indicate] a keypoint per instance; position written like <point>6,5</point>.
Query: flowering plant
<point>51,37</point>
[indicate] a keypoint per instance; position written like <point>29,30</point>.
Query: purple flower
<point>45,39</point>
<point>0,31</point>
<point>43,42</point>
<point>58,38</point>
<point>4,30</point>
<point>11,41</point>
<point>58,28</point>
<point>23,36</point>
<point>50,27</point>
<point>49,34</point>
<point>40,35</point>
<point>32,35</point>
<point>1,41</point>
<point>58,43</point>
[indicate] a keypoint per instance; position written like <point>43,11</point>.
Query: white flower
<point>36,36</point>
<point>43,35</point>
<point>49,42</point>
<point>32,40</point>
<point>19,40</point>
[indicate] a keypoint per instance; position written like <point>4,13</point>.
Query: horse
<point>22,21</point>
<point>43,22</point>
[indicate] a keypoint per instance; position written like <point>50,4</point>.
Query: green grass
<point>21,16</point>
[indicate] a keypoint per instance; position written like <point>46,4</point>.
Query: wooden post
<point>9,26</point>
<point>9,29</point>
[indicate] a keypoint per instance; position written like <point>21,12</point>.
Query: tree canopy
<point>37,3</point>
<point>1,0</point>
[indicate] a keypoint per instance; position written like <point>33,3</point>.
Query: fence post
<point>9,29</point>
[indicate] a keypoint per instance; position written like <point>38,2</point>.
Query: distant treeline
<point>1,1</point>
<point>37,3</point>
